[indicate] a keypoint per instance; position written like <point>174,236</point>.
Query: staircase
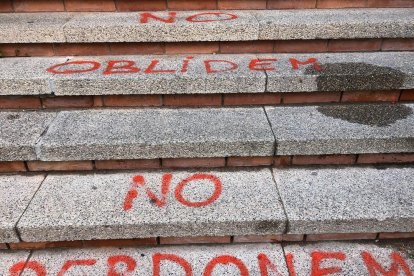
<point>223,137</point>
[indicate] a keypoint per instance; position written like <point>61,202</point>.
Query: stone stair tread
<point>345,258</point>
<point>186,25</point>
<point>151,133</point>
<point>103,206</point>
<point>347,200</point>
<point>206,74</point>
<point>220,202</point>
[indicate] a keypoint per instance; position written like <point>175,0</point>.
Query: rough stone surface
<point>354,258</point>
<point>343,129</point>
<point>347,200</point>
<point>84,207</point>
<point>32,27</point>
<point>19,133</point>
<point>9,258</point>
<point>195,80</point>
<point>26,76</point>
<point>15,194</point>
<point>197,257</point>
<point>335,24</point>
<point>156,133</point>
<point>125,27</point>
<point>341,72</point>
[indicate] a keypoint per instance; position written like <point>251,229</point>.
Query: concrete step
<point>151,133</point>
<point>337,203</point>
<point>340,258</point>
<point>206,25</point>
<point>134,205</point>
<point>207,74</point>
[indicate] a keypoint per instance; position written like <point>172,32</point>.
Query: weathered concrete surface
<point>344,258</point>
<point>19,133</point>
<point>156,133</point>
<point>32,27</point>
<point>126,27</point>
<point>186,26</point>
<point>198,258</point>
<point>343,129</point>
<point>104,206</point>
<point>26,76</point>
<point>179,74</point>
<point>347,200</point>
<point>195,80</point>
<point>8,259</point>
<point>335,24</point>
<point>15,194</point>
<point>340,72</point>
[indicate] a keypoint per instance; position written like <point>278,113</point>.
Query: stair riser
<point>161,241</point>
<point>238,47</point>
<point>188,163</point>
<point>139,5</point>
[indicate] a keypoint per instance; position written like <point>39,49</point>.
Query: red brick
<point>127,164</point>
<point>120,243</point>
<point>6,6</point>
<point>251,99</point>
<point>44,245</point>
<point>136,48</point>
<point>249,161</point>
<point>293,237</point>
<point>3,246</point>
<point>334,4</point>
<point>354,45</point>
<point>27,50</point>
<point>38,5</point>
<point>193,162</point>
<point>384,236</point>
<point>345,236</point>
<point>12,166</point>
<point>311,97</point>
<point>282,161</point>
<point>16,102</point>
<point>371,96</point>
<point>242,4</point>
<point>132,100</point>
<point>191,48</point>
<point>300,46</point>
<point>192,100</point>
<point>81,49</point>
<point>98,101</point>
<point>385,158</point>
<point>60,166</point>
<point>407,95</point>
<point>192,4</point>
<point>390,3</point>
<point>194,240</point>
<point>235,47</point>
<point>141,5</point>
<point>324,159</point>
<point>254,238</point>
<point>397,44</point>
<point>90,5</point>
<point>291,4</point>
<point>68,102</point>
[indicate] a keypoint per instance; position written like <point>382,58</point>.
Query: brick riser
<point>224,47</point>
<point>220,162</point>
<point>238,99</point>
<point>207,240</point>
<point>135,5</point>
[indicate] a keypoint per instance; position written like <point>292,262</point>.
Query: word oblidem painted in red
<point>211,66</point>
<point>138,181</point>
